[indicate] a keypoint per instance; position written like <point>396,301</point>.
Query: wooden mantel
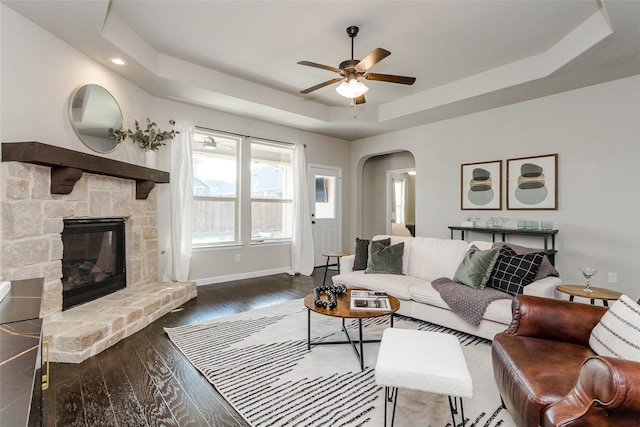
<point>67,166</point>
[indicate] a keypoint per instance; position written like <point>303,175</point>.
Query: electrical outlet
<point>237,257</point>
<point>612,277</point>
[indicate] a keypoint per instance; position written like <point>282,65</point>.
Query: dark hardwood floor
<point>144,380</point>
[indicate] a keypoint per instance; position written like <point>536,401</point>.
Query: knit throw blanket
<point>466,302</point>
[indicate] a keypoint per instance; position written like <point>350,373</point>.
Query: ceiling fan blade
<point>372,59</point>
<point>390,78</point>
<point>324,67</point>
<point>323,84</point>
<point>360,100</point>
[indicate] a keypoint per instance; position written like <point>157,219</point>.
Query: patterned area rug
<point>258,360</point>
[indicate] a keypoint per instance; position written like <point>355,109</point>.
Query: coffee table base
<point>354,344</point>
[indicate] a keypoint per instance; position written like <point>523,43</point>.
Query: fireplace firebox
<point>93,260</point>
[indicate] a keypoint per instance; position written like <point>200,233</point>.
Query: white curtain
<point>302,252</point>
<point>181,193</point>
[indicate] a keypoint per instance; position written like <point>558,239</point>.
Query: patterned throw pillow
<point>617,334</point>
<point>513,272</point>
<point>385,259</point>
<point>362,252</point>
<point>546,268</point>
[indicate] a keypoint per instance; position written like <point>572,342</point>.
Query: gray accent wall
<point>596,133</point>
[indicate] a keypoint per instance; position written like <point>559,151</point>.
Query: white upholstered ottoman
<point>425,361</point>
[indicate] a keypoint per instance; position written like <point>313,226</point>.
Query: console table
<point>550,250</point>
<point>20,355</point>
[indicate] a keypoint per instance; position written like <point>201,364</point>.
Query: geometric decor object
<point>532,183</point>
<point>481,186</point>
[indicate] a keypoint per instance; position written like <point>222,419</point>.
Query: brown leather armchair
<point>548,375</point>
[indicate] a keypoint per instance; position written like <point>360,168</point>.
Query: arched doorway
<point>376,191</point>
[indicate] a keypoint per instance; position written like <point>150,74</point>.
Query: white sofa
<point>425,259</point>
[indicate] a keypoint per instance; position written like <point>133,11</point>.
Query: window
<point>215,188</point>
<point>271,191</point>
<point>399,200</point>
<point>325,207</point>
<point>234,174</point>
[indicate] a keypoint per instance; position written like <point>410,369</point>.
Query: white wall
<point>596,133</point>
<point>212,265</point>
<point>38,74</point>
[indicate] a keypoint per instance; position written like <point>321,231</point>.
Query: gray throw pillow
<point>476,267</point>
<point>362,252</point>
<point>385,259</point>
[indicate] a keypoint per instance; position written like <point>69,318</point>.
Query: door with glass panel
<point>325,189</point>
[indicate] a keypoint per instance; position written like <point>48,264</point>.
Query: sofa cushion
<point>513,272</point>
<point>362,252</point>
<point>393,284</point>
<point>385,259</point>
<point>617,334</point>
<point>476,267</point>
<point>431,258</point>
<point>424,293</point>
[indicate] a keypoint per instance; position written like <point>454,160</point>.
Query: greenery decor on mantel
<point>150,139</point>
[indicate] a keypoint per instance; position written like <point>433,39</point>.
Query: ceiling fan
<point>351,69</point>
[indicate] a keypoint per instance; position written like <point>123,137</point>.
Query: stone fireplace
<point>33,220</point>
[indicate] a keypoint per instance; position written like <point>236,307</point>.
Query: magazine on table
<point>369,300</point>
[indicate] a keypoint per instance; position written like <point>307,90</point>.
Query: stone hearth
<point>32,223</point>
<point>85,330</point>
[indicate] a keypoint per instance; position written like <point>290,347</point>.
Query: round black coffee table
<point>344,311</point>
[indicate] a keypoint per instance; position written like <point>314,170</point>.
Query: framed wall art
<point>532,183</point>
<point>481,186</point>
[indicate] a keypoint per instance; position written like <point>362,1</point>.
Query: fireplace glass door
<point>93,261</point>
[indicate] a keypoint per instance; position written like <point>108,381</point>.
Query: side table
<point>598,293</point>
<point>329,255</point>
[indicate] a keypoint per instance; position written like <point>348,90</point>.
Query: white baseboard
<point>240,276</point>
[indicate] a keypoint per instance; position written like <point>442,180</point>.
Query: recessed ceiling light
<point>118,61</point>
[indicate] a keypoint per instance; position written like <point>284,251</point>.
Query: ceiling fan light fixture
<point>210,145</point>
<point>352,89</point>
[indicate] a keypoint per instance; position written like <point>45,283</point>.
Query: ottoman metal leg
<point>453,405</point>
<point>390,395</point>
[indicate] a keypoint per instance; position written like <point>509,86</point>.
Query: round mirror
<point>92,111</point>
